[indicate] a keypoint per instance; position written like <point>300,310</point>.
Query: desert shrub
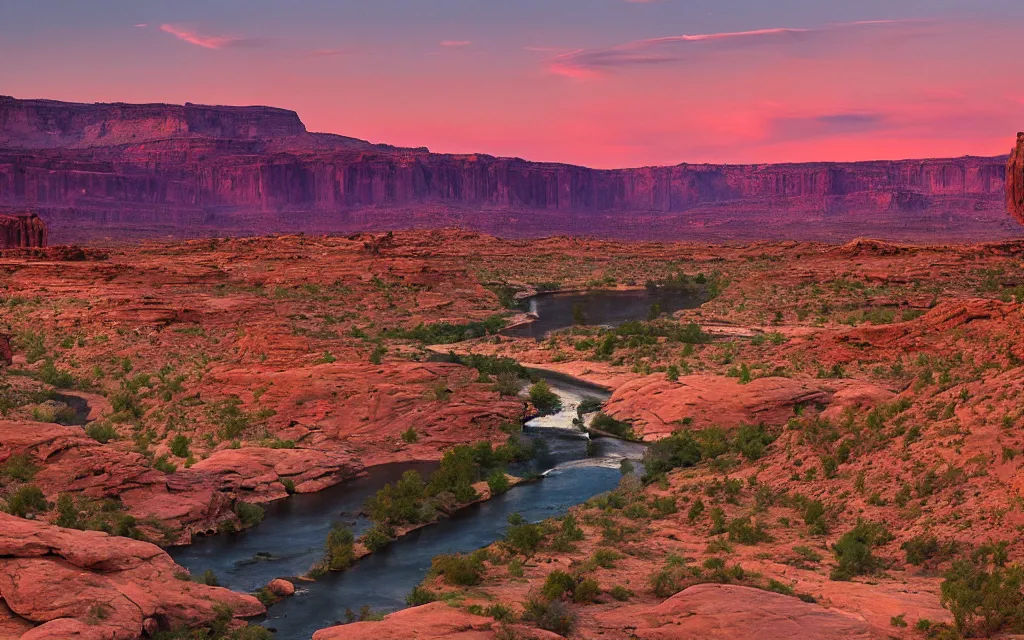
<point>604,422</point>
<point>752,440</point>
<point>498,482</point>
<point>59,378</point>
<point>457,569</point>
<point>542,397</point>
<point>666,582</point>
<point>180,446</point>
<point>586,591</point>
<point>397,503</point>
<point>28,499</point>
<point>814,517</point>
<point>920,549</point>
<point>338,548</point>
<point>605,558</point>
<point>250,514</point>
<point>409,436</point>
<point>743,532</point>
<point>620,593</point>
<point>378,536</point>
<point>550,615</point>
<point>421,595</point>
<point>680,449</point>
<point>664,506</point>
<point>982,601</point>
<point>19,467</point>
<point>102,432</point>
<point>524,538</point>
<point>448,333</point>
<point>557,584</point>
<point>853,551</point>
<point>161,463</point>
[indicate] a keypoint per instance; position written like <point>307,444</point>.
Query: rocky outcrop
<point>85,584</point>
<point>432,621</point>
<point>22,231</point>
<point>135,169</point>
<point>1015,180</point>
<point>720,611</point>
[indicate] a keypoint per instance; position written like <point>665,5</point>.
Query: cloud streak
<point>456,43</point>
<point>590,63</point>
<point>207,41</point>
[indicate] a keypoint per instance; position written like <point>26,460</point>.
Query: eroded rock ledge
<point>64,583</point>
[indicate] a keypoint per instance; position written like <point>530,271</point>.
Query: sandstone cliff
<point>22,231</point>
<point>140,169</point>
<point>1015,180</point>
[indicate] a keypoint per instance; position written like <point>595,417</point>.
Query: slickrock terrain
<point>89,585</point>
<point>834,434</point>
<point>22,231</point>
<point>1015,180</point>
<point>136,171</point>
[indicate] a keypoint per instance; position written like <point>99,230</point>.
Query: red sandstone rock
<point>189,169</point>
<point>22,231</point>
<point>432,621</point>
<point>658,406</point>
<point>281,588</point>
<point>729,612</point>
<point>1015,180</point>
<point>86,584</point>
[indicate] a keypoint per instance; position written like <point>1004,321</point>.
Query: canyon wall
<point>1015,180</point>
<point>155,169</point>
<point>22,231</point>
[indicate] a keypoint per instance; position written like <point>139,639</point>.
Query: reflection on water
<point>560,310</point>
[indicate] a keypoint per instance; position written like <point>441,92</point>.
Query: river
<point>290,538</point>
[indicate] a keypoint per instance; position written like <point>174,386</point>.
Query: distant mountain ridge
<point>130,171</point>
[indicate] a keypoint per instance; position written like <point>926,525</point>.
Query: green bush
<point>542,397</point>
<point>620,593</point>
<point>19,467</point>
<point>524,538</point>
<point>378,537</point>
<point>420,596</point>
<point>338,548</point>
<point>743,532</point>
<point>680,449</point>
<point>550,615</point>
<point>604,422</point>
<point>853,551</point>
<point>180,446</point>
<point>753,440</point>
<point>250,514</point>
<point>28,499</point>
<point>984,602</point>
<point>102,432</point>
<point>498,483</point>
<point>409,436</point>
<point>457,569</point>
<point>557,584</point>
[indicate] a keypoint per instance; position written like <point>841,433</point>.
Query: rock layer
<point>1015,180</point>
<point>22,232</point>
<point>86,584</point>
<point>132,170</point>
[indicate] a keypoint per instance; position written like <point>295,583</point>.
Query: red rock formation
<point>1015,180</point>
<point>86,584</point>
<point>22,231</point>
<point>192,169</point>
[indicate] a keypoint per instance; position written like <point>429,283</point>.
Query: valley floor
<point>832,432</point>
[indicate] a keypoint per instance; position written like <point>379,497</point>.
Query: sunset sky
<point>606,83</point>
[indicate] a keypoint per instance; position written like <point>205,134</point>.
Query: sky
<point>603,83</point>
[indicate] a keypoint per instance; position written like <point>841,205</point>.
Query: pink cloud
<point>589,63</point>
<point>456,43</point>
<point>206,41</point>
